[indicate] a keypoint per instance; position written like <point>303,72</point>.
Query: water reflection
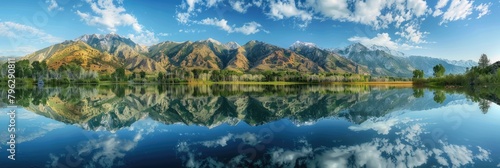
<point>259,126</point>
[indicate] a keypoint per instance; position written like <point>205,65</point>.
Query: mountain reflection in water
<point>253,126</point>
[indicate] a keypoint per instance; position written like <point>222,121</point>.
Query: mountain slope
<point>427,63</point>
<point>379,62</point>
<point>328,60</point>
<point>263,56</point>
<point>75,52</point>
<point>131,55</point>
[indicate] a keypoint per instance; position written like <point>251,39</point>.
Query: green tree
<point>483,61</point>
<point>119,74</point>
<point>439,70</point>
<point>418,74</point>
<point>23,69</point>
<point>142,74</point>
<point>418,93</point>
<point>160,77</point>
<point>132,76</point>
<point>439,96</point>
<point>36,68</point>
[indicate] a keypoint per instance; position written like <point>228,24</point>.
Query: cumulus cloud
<point>109,16</point>
<point>377,14</point>
<point>106,150</point>
<point>419,7</point>
<point>483,9</point>
<point>247,138</point>
<point>458,10</point>
<point>283,9</point>
<point>381,126</point>
<point>18,31</point>
<point>222,141</point>
<point>413,34</point>
<point>211,3</point>
<point>247,28</point>
<point>145,38</point>
<point>382,39</point>
<point>53,5</point>
<point>240,6</point>
<point>406,149</point>
<point>437,9</point>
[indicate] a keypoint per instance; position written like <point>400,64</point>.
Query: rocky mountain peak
<point>232,45</point>
<point>300,44</point>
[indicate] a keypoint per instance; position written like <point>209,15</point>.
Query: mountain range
<point>105,53</point>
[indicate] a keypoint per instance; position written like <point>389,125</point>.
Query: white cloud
<point>283,9</point>
<point>368,12</point>
<point>191,4</point>
<point>382,39</point>
<point>110,16</point>
<point>183,17</point>
<point>440,159</point>
<point>483,9</point>
<point>23,39</point>
<point>247,138</point>
<point>211,3</point>
<point>164,34</point>
<point>257,3</point>
<point>405,150</point>
<point>18,31</point>
<point>289,157</point>
<point>335,10</point>
<point>437,9</point>
<point>247,28</point>
<point>458,155</point>
<point>458,10</point>
<point>53,5</point>
<point>240,6</point>
<point>222,141</point>
<point>219,23</point>
<point>413,34</point>
<point>381,126</point>
<point>144,38</point>
<point>484,155</point>
<point>419,7</point>
<point>441,3</point>
<point>191,31</point>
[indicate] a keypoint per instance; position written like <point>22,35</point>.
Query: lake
<point>250,126</point>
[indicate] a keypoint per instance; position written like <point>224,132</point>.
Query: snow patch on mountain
<point>300,44</point>
<point>232,45</point>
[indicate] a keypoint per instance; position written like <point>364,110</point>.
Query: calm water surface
<point>250,126</point>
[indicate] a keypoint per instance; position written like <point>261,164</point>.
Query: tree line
<point>481,75</point>
<point>27,72</point>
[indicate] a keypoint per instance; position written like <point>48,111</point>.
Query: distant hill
<point>427,63</point>
<point>328,60</point>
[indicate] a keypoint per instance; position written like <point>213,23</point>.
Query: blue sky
<point>451,29</point>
